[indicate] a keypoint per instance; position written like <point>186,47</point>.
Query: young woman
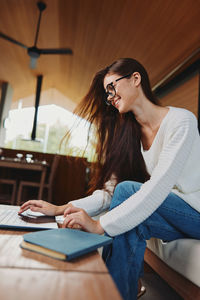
<point>148,175</point>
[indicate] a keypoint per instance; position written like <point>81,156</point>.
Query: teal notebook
<point>64,243</point>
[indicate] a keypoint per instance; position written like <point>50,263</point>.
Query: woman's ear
<point>137,78</point>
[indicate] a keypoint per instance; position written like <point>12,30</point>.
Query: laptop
<point>28,220</point>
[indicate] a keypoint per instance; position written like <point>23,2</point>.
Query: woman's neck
<point>149,115</point>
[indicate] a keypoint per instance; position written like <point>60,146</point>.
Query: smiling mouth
<point>116,102</point>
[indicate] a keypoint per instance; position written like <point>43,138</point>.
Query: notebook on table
<point>10,219</point>
<point>65,243</point>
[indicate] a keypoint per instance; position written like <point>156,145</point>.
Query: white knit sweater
<point>173,161</point>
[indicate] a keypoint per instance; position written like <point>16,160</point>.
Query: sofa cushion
<point>181,255</point>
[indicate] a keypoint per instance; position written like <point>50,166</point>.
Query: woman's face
<point>126,90</point>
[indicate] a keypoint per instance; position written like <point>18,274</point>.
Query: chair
<point>47,185</point>
<point>8,199</point>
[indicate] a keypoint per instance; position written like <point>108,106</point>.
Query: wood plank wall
<point>185,95</point>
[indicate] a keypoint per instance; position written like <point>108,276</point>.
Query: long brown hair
<point>118,147</point>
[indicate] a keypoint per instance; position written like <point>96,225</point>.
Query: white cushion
<point>181,255</point>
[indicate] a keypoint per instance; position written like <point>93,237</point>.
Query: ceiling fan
<point>34,52</point>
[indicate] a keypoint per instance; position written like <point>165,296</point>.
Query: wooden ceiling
<point>159,33</point>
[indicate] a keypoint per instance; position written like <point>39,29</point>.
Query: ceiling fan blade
<point>33,62</point>
<point>6,37</point>
<point>56,51</point>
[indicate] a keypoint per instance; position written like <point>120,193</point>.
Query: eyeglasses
<point>110,90</point>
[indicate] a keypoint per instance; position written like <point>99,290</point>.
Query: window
<point>52,124</point>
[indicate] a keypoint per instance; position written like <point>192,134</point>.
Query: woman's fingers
<point>71,219</point>
<point>80,218</point>
<point>36,209</point>
<point>30,204</point>
<point>67,220</point>
<point>76,226</point>
<point>72,224</point>
<point>71,209</point>
<point>39,206</point>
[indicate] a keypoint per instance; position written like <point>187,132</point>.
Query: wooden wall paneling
<point>185,95</point>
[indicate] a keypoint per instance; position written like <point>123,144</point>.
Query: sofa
<point>178,263</point>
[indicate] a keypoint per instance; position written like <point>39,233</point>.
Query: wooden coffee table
<point>28,275</point>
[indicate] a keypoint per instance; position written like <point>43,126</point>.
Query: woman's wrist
<point>60,209</point>
<point>100,229</point>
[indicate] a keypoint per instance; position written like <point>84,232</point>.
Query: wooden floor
<point>157,288</point>
<point>185,288</point>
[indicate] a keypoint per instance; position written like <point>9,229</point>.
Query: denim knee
<point>123,191</point>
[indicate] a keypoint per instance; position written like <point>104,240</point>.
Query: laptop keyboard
<point>11,217</point>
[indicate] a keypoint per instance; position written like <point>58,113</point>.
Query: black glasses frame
<point>109,102</point>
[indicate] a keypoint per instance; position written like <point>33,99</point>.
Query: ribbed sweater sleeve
<point>94,204</point>
<point>99,201</point>
<point>174,154</point>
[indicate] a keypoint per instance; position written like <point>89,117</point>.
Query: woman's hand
<point>40,206</point>
<point>78,218</point>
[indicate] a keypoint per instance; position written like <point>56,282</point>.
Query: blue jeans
<point>174,219</point>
